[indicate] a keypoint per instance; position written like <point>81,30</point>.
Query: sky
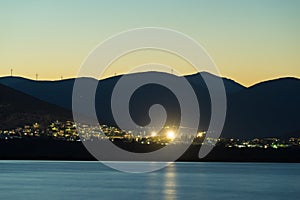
<point>250,41</point>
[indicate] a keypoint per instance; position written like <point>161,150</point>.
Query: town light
<point>153,134</point>
<point>171,135</point>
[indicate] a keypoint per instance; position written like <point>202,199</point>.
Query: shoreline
<point>51,150</point>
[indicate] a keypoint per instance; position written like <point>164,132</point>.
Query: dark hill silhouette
<point>268,109</point>
<point>18,109</point>
<point>230,85</point>
<point>54,92</point>
<point>60,92</point>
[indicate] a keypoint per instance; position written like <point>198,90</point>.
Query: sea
<point>182,180</point>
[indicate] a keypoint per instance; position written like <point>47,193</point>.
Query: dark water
<point>92,180</point>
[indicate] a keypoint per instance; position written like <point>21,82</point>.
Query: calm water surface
<point>93,180</point>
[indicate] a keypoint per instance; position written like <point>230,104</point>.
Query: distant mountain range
<point>267,109</point>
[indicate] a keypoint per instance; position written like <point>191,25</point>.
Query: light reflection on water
<point>169,185</point>
<point>93,180</point>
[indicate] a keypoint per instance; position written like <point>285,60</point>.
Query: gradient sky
<point>250,41</point>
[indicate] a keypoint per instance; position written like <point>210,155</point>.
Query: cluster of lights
<point>170,134</point>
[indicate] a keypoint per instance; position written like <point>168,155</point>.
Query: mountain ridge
<point>188,75</point>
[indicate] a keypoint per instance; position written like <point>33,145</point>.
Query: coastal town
<point>68,131</point>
